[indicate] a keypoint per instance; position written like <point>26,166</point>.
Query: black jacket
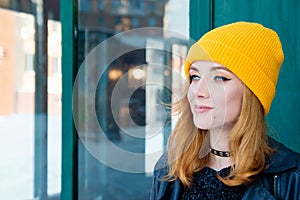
<point>281,180</point>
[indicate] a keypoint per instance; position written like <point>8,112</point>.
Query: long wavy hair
<point>247,144</point>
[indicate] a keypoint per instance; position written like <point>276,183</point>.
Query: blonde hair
<point>247,144</point>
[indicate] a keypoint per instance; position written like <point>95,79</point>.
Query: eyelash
<point>222,78</point>
<point>216,78</point>
<point>192,77</point>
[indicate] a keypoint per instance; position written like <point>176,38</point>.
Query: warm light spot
<point>115,74</point>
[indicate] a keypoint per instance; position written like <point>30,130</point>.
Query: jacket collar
<point>281,159</point>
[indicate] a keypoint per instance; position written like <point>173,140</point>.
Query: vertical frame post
<point>41,102</point>
<point>68,14</point>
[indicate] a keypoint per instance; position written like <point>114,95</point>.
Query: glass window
<point>29,59</point>
<point>136,4</point>
<point>151,21</point>
<point>101,21</point>
<point>117,20</point>
<point>151,7</point>
<point>85,6</point>
<point>124,79</point>
<point>101,5</point>
<point>116,4</point>
<point>135,22</point>
<point>30,114</point>
<point>117,69</point>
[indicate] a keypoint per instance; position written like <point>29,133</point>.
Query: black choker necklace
<point>220,153</point>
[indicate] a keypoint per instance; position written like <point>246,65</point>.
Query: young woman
<point>219,148</point>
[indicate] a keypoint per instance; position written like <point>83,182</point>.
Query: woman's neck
<point>217,163</point>
<point>219,141</point>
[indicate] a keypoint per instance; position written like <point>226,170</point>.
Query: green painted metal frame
<point>69,181</point>
<point>201,17</point>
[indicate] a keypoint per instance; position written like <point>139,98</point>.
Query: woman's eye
<point>221,78</point>
<point>194,78</point>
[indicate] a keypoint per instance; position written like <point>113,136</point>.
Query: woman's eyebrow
<point>212,69</point>
<point>218,68</point>
<point>193,68</point>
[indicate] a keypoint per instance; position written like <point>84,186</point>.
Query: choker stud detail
<point>220,153</point>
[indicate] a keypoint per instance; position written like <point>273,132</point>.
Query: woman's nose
<point>201,89</point>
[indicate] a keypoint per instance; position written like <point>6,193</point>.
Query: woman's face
<point>215,95</point>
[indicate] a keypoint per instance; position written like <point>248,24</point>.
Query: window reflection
<point>17,105</point>
<point>124,125</point>
<point>130,109</point>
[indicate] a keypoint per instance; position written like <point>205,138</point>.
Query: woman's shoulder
<point>281,176</point>
<point>283,158</point>
<point>162,187</point>
<point>161,167</point>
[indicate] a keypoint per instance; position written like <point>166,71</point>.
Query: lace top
<point>206,185</point>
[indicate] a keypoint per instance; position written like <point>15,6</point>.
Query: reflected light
<point>1,52</point>
<point>166,73</point>
<point>115,74</point>
<point>138,74</point>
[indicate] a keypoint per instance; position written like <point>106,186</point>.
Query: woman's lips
<point>202,108</point>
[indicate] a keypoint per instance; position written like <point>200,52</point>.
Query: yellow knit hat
<point>251,51</point>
